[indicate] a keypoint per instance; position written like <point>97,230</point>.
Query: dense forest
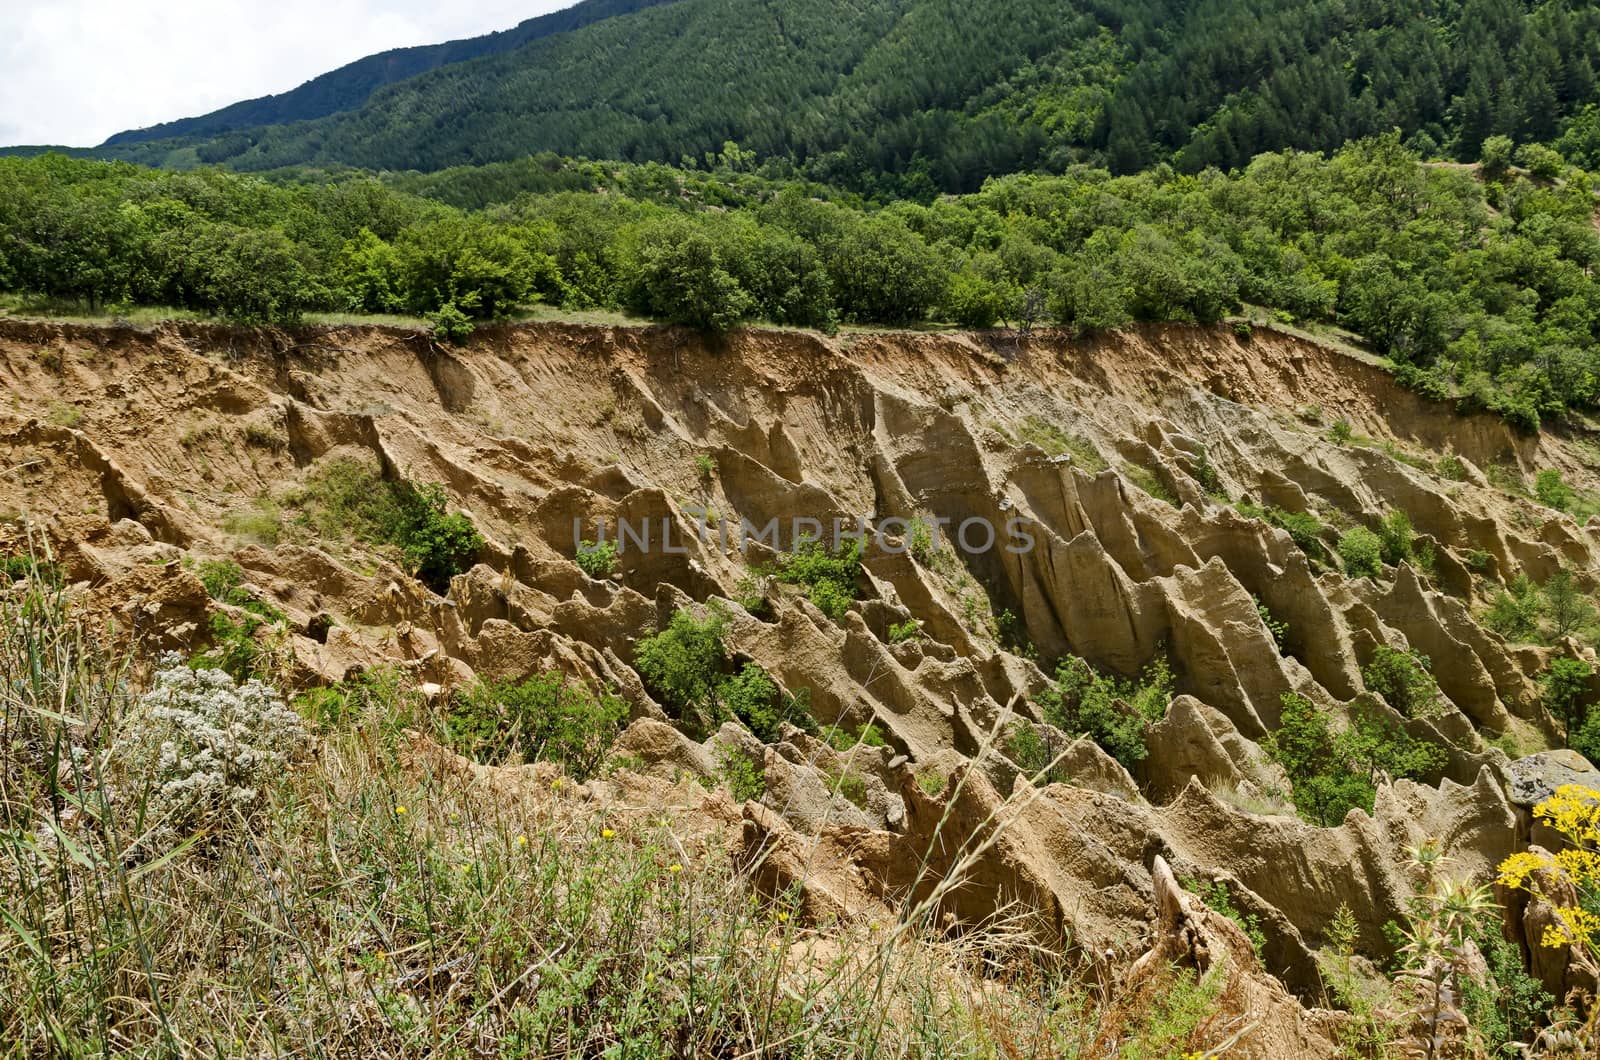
<point>907,98</point>
<point>352,84</point>
<point>1476,281</point>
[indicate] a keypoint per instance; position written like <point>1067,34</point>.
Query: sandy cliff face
<point>138,450</point>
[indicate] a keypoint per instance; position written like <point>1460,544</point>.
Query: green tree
<point>1568,607</point>
<point>681,276</point>
<point>1566,693</point>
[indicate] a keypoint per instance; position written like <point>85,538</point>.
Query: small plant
<point>450,324</point>
<point>919,542</point>
<point>1450,466</point>
<point>750,593</point>
<point>1058,443</point>
<point>1361,553</point>
<point>1219,900</point>
<point>438,545</point>
<point>1241,330</point>
<point>752,697</point>
<point>1476,560</point>
<point>1568,608</point>
<point>1035,754</point>
<point>1278,630</point>
<point>597,559</point>
<point>851,786</point>
<point>744,776</point>
<point>683,665</point>
<point>705,467</point>
<point>900,632</point>
<point>869,735</point>
<point>932,782</point>
<point>264,437</point>
<point>1151,483</point>
<point>1341,432</point>
<point>63,415</point>
<point>1205,473</point>
<point>829,576</point>
<point>236,650</point>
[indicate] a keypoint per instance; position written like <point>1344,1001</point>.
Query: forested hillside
<point>902,98</point>
<point>1476,281</point>
<point>351,85</point>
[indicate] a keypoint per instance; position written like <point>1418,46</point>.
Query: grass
<point>1150,482</point>
<point>1056,443</point>
<point>379,902</point>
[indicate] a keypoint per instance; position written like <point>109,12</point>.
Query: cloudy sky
<point>75,71</point>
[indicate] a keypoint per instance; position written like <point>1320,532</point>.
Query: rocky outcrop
<point>1148,472</point>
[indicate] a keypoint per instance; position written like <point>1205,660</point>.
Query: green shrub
<point>1330,772</point>
<point>919,542</point>
<point>828,575</point>
<point>597,560</point>
<point>1403,680</point>
<point>1451,467</point>
<point>683,665</point>
<point>1515,612</point>
<point>1395,538</point>
<point>235,649</point>
<point>900,632</point>
<point>548,718</point>
<point>869,735</point>
<point>831,599</point>
<point>347,496</point>
<point>1034,755</point>
<point>1552,491</point>
<point>1361,553</point>
<point>752,697</point>
<point>450,324</point>
<point>744,776</point>
<point>1115,712</point>
<point>438,545</point>
<point>1341,432</point>
<point>705,467</point>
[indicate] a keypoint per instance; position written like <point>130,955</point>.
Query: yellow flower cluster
<point>1574,811</point>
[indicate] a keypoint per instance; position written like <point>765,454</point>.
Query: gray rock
<point>1536,777</point>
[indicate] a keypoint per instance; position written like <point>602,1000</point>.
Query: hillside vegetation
<point>909,97</point>
<point>1476,283</point>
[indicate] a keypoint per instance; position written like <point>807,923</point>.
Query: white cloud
<point>76,71</point>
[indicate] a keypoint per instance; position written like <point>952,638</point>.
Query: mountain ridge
<point>908,98</point>
<point>352,84</point>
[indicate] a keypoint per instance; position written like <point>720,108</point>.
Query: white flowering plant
<point>197,750</point>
